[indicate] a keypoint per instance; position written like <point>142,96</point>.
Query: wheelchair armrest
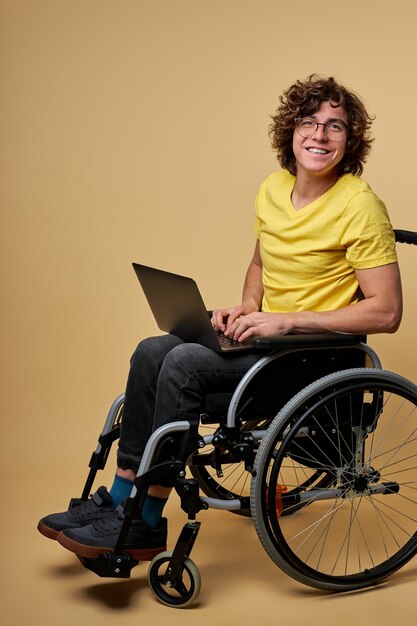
<point>323,340</point>
<point>405,236</point>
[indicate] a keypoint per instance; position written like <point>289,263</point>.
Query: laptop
<point>178,308</point>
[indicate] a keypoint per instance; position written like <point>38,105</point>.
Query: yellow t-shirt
<point>309,255</point>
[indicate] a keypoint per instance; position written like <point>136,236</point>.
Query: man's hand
<point>223,319</point>
<point>258,324</point>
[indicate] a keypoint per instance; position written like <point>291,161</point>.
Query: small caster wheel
<point>179,594</point>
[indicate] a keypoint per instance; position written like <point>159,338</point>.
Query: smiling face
<point>318,155</point>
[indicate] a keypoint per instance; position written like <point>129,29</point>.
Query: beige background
<point>135,130</point>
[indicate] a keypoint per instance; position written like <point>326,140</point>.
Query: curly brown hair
<point>304,98</point>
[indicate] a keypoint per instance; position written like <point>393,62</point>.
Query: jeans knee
<point>182,362</point>
<point>144,348</point>
<point>153,350</point>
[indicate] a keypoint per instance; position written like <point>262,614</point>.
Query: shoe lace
<point>85,508</point>
<point>112,521</point>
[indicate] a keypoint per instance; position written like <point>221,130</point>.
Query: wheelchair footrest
<point>110,565</point>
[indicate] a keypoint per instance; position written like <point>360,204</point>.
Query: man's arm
<point>379,312</point>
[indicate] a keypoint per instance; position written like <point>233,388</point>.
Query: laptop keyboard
<point>226,343</point>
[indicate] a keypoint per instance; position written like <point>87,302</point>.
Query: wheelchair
<point>318,444</point>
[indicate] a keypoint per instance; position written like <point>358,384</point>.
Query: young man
<point>322,237</point>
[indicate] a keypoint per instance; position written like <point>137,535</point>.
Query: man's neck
<point>308,188</point>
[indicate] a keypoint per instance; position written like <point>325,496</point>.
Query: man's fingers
<point>217,320</point>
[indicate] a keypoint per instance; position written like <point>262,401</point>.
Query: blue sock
<point>152,510</point>
<point>120,489</point>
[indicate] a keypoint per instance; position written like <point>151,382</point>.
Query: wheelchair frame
<point>318,449</point>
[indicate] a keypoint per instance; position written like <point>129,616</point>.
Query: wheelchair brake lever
<point>217,462</point>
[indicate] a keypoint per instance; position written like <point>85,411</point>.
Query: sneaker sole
<point>91,552</point>
<point>48,532</point>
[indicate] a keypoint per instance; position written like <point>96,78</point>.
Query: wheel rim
<point>357,536</point>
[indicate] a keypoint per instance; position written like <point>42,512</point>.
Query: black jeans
<point>168,380</point>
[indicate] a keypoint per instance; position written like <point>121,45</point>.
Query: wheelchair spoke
<point>340,436</point>
<point>395,448</point>
<point>381,520</point>
<point>407,458</point>
<point>322,538</point>
<point>394,419</point>
<point>315,525</point>
<point>399,512</point>
<point>244,488</point>
<point>363,535</point>
<point>409,484</point>
<point>389,518</point>
<point>229,472</point>
<point>387,464</point>
<point>401,471</point>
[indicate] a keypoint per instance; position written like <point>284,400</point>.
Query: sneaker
<point>97,507</point>
<point>142,542</point>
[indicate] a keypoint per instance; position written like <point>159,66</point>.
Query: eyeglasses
<point>306,127</point>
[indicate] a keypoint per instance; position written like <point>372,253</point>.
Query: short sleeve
<point>366,233</point>
<point>259,204</point>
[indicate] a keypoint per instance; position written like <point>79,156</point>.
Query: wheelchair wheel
<point>358,429</point>
<point>184,592</point>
